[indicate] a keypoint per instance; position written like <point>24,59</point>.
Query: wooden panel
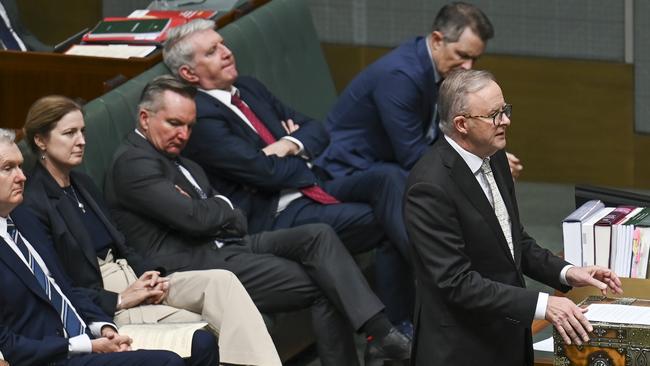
<point>26,76</point>
<point>572,120</point>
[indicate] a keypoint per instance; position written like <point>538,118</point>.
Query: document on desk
<point>624,314</point>
<point>110,50</point>
<point>175,337</point>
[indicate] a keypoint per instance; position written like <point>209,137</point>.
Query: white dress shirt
<point>474,163</point>
<point>77,344</point>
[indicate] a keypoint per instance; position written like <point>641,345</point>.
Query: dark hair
<point>150,97</point>
<point>452,19</point>
<point>44,114</point>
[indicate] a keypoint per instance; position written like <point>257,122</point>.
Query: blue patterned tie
<point>72,324</point>
<point>7,38</point>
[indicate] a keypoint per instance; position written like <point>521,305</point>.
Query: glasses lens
<point>498,116</point>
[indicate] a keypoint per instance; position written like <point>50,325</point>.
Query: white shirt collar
<point>473,162</point>
<point>224,96</point>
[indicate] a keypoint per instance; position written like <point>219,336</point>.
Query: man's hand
<point>281,148</point>
<point>290,127</point>
<point>515,165</point>
<point>140,291</point>
<point>568,319</point>
<point>599,277</point>
<point>123,342</point>
<point>163,286</point>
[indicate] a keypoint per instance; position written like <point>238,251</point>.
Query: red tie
<point>314,192</point>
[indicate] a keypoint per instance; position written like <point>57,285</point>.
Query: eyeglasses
<point>497,117</point>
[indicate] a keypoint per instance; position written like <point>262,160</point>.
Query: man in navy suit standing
<point>258,151</point>
<point>44,320</point>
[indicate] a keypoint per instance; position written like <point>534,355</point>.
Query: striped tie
<point>73,326</point>
<point>499,206</point>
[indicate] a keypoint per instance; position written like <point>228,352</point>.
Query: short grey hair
<point>176,51</point>
<point>7,136</point>
<point>151,97</point>
<point>452,97</point>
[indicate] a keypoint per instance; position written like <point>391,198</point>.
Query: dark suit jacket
<point>72,242</point>
<point>384,113</point>
<point>31,332</point>
<point>167,227</point>
<point>472,302</point>
<point>231,154</point>
<point>31,42</point>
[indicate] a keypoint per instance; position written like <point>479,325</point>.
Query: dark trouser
<point>307,266</point>
<point>205,351</point>
<point>382,187</point>
<point>135,358</point>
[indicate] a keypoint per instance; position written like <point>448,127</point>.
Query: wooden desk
<point>27,76</point>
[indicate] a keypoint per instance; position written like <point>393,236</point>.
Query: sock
<point>377,327</point>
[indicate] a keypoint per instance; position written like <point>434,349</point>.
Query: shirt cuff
<point>563,274</point>
<point>79,344</point>
<point>301,147</point>
<point>226,199</point>
<point>96,328</point>
<point>540,309</point>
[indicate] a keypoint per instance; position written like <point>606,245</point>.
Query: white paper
<point>110,50</point>
<point>625,314</point>
<point>545,345</point>
<point>175,337</point>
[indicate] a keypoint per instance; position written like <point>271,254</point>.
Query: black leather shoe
<point>393,347</point>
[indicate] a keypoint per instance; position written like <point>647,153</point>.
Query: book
<point>638,269</point>
<point>130,30</point>
<point>623,256</point>
<point>587,228</point>
<point>185,14</point>
<point>572,232</point>
<point>175,337</point>
<point>603,235</point>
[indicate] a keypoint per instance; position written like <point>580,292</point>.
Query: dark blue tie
<point>7,37</point>
<point>196,188</point>
<point>71,322</point>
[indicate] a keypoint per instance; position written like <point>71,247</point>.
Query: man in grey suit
<point>13,35</point>
<point>165,205</point>
<point>471,250</point>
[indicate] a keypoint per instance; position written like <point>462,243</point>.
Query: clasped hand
<point>567,317</point>
<point>150,288</point>
<point>111,341</point>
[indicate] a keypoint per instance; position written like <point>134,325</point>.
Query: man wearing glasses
<point>471,251</point>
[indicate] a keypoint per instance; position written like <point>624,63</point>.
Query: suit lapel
<point>18,267</point>
<point>467,183</point>
<point>68,214</point>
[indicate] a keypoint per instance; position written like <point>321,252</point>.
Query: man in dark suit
<point>44,320</point>
<point>13,35</point>
<point>165,205</point>
<point>471,250</point>
<point>258,151</point>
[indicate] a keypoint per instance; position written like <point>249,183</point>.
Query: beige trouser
<point>215,296</point>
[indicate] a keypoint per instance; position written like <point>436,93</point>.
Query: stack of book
<point>614,237</point>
